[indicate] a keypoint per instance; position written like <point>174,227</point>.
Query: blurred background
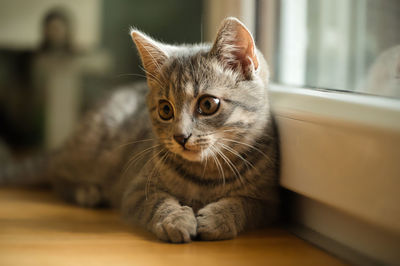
<point>57,57</point>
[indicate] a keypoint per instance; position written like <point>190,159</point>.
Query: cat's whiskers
<point>218,164</point>
<point>137,157</point>
<point>133,142</point>
<point>155,170</point>
<point>219,131</point>
<point>138,141</point>
<point>139,75</point>
<point>162,161</point>
<point>231,166</point>
<point>247,145</point>
<point>237,154</point>
<point>130,74</point>
<point>205,166</point>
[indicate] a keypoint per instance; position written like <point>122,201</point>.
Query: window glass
<point>340,45</point>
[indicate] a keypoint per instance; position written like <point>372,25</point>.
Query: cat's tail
<point>30,171</point>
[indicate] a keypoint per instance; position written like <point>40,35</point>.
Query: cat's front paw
<point>179,226</point>
<point>214,223</point>
<point>88,196</point>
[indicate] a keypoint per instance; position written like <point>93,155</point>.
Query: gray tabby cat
<point>206,165</point>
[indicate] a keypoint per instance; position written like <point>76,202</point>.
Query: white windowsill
<point>342,150</point>
<point>366,110</point>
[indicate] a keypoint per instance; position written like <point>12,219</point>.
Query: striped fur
<point>224,180</point>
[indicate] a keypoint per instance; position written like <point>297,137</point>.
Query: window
<point>340,45</point>
<point>340,146</point>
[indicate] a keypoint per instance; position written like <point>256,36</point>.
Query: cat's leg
<point>85,195</point>
<point>226,218</point>
<point>89,196</point>
<point>161,214</point>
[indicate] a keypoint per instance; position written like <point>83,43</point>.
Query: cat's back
<point>99,145</point>
<point>122,103</point>
<point>114,116</point>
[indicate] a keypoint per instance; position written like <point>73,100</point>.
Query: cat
<point>197,160</point>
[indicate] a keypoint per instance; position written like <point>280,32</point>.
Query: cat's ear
<point>235,47</point>
<point>152,53</point>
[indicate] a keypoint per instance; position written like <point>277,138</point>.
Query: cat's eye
<point>208,105</point>
<point>165,110</point>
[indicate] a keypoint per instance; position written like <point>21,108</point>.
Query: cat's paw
<point>214,223</point>
<point>179,226</point>
<point>88,196</point>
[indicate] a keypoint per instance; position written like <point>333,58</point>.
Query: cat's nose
<point>182,139</point>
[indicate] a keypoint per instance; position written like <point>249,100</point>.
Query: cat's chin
<point>194,156</point>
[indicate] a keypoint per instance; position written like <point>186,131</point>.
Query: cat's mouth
<point>190,150</point>
<point>191,154</point>
<point>196,151</point>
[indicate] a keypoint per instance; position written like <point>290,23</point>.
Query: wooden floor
<point>36,228</point>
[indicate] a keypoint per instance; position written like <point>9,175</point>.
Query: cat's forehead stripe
<point>189,89</point>
<point>182,81</point>
<point>194,63</point>
<point>176,79</point>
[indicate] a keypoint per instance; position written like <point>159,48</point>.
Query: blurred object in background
<point>58,57</point>
<point>384,75</point>
<point>5,155</point>
<point>58,68</point>
<point>38,42</point>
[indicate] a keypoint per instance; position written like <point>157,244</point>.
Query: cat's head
<point>206,100</point>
